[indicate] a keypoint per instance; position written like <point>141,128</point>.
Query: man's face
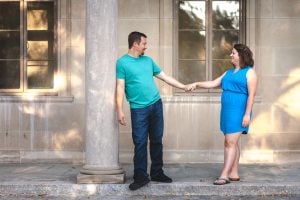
<point>142,46</point>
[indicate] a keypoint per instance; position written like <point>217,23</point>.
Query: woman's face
<point>235,59</point>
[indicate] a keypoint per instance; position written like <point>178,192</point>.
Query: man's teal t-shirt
<point>140,88</point>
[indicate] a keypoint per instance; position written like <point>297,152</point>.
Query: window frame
<point>208,42</point>
<point>23,90</point>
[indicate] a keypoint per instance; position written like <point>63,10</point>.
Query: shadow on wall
<point>276,125</point>
<point>31,125</point>
<point>50,127</point>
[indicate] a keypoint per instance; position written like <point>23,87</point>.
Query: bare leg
<point>234,172</point>
<point>231,153</point>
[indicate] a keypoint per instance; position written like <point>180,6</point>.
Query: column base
<point>104,178</point>
<point>91,174</point>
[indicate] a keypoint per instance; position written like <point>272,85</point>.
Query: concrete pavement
<point>191,181</point>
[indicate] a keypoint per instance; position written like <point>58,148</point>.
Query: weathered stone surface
<point>102,149</point>
<point>191,181</point>
<point>104,178</point>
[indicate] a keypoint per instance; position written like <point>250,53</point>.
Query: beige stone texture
<point>192,125</point>
<point>77,9</point>
<point>251,9</point>
<point>166,32</point>
<point>62,8</point>
<point>25,140</point>
<point>67,140</point>
<point>11,140</point>
<point>263,8</point>
<point>42,140</point>
<point>138,9</point>
<point>284,9</point>
<point>49,156</point>
<point>149,26</point>
<point>78,33</point>
<point>53,129</point>
<point>9,156</point>
<point>77,64</point>
<point>166,8</point>
<point>285,32</point>
<point>97,179</point>
<point>9,118</point>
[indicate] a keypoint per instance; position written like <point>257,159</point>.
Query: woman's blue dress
<point>234,101</point>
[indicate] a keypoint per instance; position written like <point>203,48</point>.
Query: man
<point>135,75</point>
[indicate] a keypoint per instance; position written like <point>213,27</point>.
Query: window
<point>28,59</point>
<point>206,31</point>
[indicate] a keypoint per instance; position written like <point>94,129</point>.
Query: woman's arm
<point>207,84</point>
<point>252,85</point>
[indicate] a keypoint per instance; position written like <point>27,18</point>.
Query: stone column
<point>102,150</point>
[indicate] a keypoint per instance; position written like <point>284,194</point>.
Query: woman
<point>239,87</point>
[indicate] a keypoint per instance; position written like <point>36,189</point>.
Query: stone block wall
<point>192,121</point>
<point>51,128</point>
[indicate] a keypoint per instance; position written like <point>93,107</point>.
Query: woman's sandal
<point>221,181</point>
<point>234,179</point>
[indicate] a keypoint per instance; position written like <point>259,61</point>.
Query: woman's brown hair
<point>245,54</point>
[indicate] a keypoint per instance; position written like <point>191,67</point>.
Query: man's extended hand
<point>190,87</point>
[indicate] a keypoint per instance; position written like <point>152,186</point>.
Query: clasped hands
<point>190,87</point>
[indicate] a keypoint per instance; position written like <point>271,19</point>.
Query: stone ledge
<point>186,189</point>
<point>216,156</point>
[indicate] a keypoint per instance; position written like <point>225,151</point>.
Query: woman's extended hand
<point>190,87</point>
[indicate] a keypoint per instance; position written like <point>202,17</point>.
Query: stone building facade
<point>62,126</point>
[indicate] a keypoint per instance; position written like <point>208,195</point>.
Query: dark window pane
<point>37,50</point>
<point>192,15</point>
<point>40,16</point>
<point>225,15</point>
<point>191,70</point>
<point>9,44</point>
<point>192,45</point>
<point>202,56</point>
<point>9,74</point>
<point>9,15</point>
<point>223,42</point>
<point>40,26</point>
<point>40,75</point>
<point>40,45</point>
<point>219,67</point>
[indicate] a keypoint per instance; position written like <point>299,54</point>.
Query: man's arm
<point>119,101</point>
<point>171,81</point>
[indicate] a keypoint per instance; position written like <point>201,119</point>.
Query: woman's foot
<point>221,181</point>
<point>234,179</point>
<point>234,176</point>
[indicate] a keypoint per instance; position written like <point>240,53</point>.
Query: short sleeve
<point>120,71</point>
<point>156,68</point>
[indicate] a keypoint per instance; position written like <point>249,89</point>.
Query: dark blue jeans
<point>147,122</point>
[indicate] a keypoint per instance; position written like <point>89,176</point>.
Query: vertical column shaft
<point>102,150</point>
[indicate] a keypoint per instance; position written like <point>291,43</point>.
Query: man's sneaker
<point>161,178</point>
<point>138,184</point>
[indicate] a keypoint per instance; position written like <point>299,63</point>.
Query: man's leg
<point>156,130</point>
<point>140,127</point>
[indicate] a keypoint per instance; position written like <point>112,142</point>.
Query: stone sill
<point>44,99</point>
<point>198,99</point>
